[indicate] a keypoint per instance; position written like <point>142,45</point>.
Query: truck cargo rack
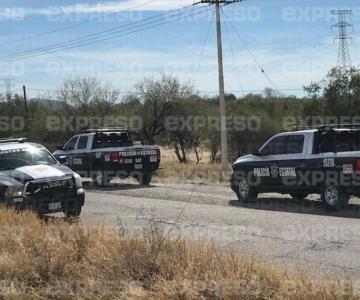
<point>12,140</point>
<point>111,129</point>
<point>327,127</point>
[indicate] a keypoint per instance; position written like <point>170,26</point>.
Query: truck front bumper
<point>54,204</point>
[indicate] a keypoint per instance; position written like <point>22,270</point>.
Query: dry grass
<point>204,172</point>
<point>58,260</point>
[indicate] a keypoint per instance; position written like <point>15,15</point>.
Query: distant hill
<point>55,104</point>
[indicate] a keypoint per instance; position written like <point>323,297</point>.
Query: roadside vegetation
<point>174,115</point>
<point>193,171</point>
<point>60,260</point>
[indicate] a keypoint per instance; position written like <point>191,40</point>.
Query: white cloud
<point>98,7</point>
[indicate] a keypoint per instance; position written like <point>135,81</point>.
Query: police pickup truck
<point>323,160</point>
<point>104,154</point>
<point>31,178</point>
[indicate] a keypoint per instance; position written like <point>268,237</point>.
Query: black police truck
<point>104,154</point>
<point>323,160</point>
<point>31,178</point>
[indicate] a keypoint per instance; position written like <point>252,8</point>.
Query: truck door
<point>69,149</point>
<point>284,156</point>
<point>80,155</point>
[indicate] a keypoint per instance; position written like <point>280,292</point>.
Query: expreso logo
<point>12,123</point>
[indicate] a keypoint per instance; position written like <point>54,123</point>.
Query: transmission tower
<point>224,145</point>
<point>344,59</point>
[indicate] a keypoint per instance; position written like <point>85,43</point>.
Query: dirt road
<point>301,236</point>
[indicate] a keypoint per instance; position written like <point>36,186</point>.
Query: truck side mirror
<point>256,152</point>
<point>63,159</point>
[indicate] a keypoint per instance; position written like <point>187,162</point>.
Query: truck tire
<point>334,197</point>
<point>144,178</point>
<point>245,192</point>
<point>299,196</point>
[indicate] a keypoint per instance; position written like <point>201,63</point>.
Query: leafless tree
<point>159,98</point>
<point>88,95</point>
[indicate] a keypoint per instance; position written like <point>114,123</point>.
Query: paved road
<point>304,237</point>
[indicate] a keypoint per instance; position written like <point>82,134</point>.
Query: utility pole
<point>344,59</point>
<point>223,129</point>
<point>25,99</point>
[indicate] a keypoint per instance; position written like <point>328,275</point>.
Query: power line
<point>102,36</point>
<point>36,36</point>
<point>203,48</point>
<point>251,54</point>
<point>87,37</point>
<point>233,55</point>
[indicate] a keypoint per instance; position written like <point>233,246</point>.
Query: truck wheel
<point>334,197</point>
<point>245,192</point>
<point>100,178</point>
<point>73,213</point>
<point>298,196</point>
<point>144,178</point>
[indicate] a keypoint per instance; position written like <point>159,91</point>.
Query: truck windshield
<point>112,140</point>
<point>16,158</point>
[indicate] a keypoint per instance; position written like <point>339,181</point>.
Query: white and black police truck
<point>31,178</point>
<point>323,160</point>
<point>104,154</point>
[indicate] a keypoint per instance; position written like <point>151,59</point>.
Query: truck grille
<point>50,188</point>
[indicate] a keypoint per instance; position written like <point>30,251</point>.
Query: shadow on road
<point>306,206</point>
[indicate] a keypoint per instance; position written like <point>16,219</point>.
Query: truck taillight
<point>115,157</point>
<point>357,166</point>
<point>158,154</point>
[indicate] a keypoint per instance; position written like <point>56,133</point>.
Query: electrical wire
<point>36,36</point>
<point>203,48</point>
<point>233,55</point>
<point>101,36</point>
<point>251,54</point>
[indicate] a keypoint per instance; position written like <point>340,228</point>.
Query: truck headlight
<point>78,181</point>
<point>14,191</point>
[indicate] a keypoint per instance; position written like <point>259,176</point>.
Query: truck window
<point>295,144</point>
<point>71,144</point>
<point>291,144</point>
<point>275,147</point>
<point>325,142</point>
<point>346,141</point>
<point>112,140</point>
<point>82,144</point>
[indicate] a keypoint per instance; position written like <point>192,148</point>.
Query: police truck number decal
<point>329,162</point>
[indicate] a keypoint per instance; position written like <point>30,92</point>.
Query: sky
<point>291,40</point>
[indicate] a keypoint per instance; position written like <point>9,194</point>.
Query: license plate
<point>153,159</point>
<point>138,167</point>
<point>55,206</point>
